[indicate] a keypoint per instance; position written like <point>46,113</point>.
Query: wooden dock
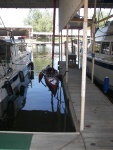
<point>98,132</point>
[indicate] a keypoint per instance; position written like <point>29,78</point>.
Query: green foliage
<point>41,20</point>
<point>40,63</point>
<point>100,15</point>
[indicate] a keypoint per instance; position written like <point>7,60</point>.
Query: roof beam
<point>79,20</point>
<point>13,4</point>
<point>104,19</point>
<point>6,3</point>
<point>28,4</point>
<point>79,27</point>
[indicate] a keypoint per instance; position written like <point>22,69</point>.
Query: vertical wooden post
<point>53,39</point>
<point>67,55</point>
<point>61,45</point>
<point>93,42</point>
<point>83,88</point>
<point>71,41</point>
<point>78,50</point>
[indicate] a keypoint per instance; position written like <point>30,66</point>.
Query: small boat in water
<point>51,77</point>
<point>16,72</point>
<point>50,74</point>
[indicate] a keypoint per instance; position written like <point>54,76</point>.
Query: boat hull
<point>16,72</point>
<point>101,71</point>
<point>52,83</point>
<point>11,103</point>
<point>40,76</point>
<point>102,53</point>
<point>51,77</point>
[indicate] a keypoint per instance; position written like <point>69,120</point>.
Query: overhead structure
<point>49,3</point>
<point>66,15</point>
<point>17,30</point>
<point>28,3</point>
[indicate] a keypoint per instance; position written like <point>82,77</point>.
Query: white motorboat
<point>16,72</point>
<point>103,59</point>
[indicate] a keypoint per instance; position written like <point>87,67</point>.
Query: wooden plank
<point>98,112</point>
<point>55,141</point>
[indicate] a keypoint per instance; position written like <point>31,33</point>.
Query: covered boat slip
<point>98,129</point>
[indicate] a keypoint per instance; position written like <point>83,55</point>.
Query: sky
<point>13,16</point>
<point>16,16</point>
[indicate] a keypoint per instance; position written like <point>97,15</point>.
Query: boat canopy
<point>105,33</point>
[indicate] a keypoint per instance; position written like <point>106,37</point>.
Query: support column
<point>83,85</point>
<point>67,55</point>
<point>93,42</point>
<point>78,50</point>
<point>61,45</point>
<point>71,41</point>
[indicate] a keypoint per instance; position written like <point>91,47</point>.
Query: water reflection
<point>43,112</point>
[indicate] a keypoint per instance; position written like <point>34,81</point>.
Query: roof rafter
<point>28,4</point>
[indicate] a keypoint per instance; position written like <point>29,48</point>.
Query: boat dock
<point>98,123</point>
<point>41,43</point>
<point>98,132</point>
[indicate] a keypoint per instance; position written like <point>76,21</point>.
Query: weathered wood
<point>97,134</point>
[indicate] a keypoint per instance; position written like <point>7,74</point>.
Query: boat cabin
<point>104,41</point>
<point>11,49</point>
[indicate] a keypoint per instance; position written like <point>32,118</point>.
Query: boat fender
<point>8,88</point>
<point>29,75</point>
<point>60,77</point>
<point>10,109</point>
<point>32,65</point>
<point>106,84</point>
<point>32,75</point>
<point>40,76</point>
<point>22,90</point>
<point>21,76</point>
<point>23,102</point>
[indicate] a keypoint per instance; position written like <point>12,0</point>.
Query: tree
<point>100,15</point>
<point>40,20</point>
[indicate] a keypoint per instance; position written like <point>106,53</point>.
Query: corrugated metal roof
<point>27,3</point>
<point>48,3</point>
<point>101,4</point>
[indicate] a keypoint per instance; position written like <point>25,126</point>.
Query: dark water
<point>43,112</point>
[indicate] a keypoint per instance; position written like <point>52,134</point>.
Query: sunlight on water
<point>42,97</point>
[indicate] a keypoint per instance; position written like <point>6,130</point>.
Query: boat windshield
<point>20,48</point>
<point>5,54</point>
<point>97,47</point>
<point>105,48</point>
